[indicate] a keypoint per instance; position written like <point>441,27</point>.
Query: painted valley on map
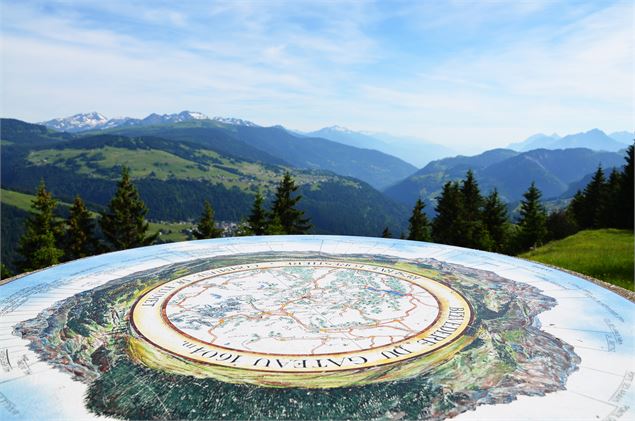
<point>312,327</point>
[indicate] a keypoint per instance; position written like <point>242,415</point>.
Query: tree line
<point>466,218</point>
<point>47,240</point>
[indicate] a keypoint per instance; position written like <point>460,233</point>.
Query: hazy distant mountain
<point>623,137</point>
<point>594,139</point>
<point>536,141</point>
<point>414,151</point>
<point>97,121</point>
<point>509,171</point>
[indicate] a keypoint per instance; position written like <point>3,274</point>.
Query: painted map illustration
<point>313,327</point>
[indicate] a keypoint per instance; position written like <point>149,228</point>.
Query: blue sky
<point>466,74</point>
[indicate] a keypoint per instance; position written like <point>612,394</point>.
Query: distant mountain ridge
<point>510,172</point>
<point>97,121</point>
<point>594,139</point>
<point>414,151</point>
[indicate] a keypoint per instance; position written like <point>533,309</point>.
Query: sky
<point>466,74</point>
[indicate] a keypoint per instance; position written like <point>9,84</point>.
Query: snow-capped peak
<point>234,121</point>
<point>77,122</point>
<point>97,121</point>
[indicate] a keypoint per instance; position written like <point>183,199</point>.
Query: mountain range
<point>594,139</point>
<point>174,177</point>
<point>510,172</point>
<point>96,121</point>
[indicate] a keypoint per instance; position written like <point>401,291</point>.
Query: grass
<point>19,200</point>
<point>605,254</point>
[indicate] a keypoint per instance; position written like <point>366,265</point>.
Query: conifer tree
<point>206,227</point>
<point>124,224</point>
<point>386,233</point>
<point>560,224</point>
<point>38,245</point>
<point>626,192</point>
<point>533,217</point>
<point>613,206</point>
<point>79,238</point>
<point>496,221</point>
<point>474,232</point>
<point>446,227</point>
<point>257,220</point>
<point>595,198</point>
<point>274,226</point>
<point>419,226</point>
<point>291,219</point>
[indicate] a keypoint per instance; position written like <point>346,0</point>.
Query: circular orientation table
<point>313,327</point>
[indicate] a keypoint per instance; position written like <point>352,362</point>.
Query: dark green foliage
<point>206,227</point>
<point>533,219</point>
<point>474,232</point>
<point>446,227</point>
<point>124,224</point>
<point>5,272</point>
<point>11,229</point>
<point>496,221</point>
<point>419,226</point>
<point>284,207</point>
<point>274,226</point>
<point>606,203</point>
<point>38,245</point>
<point>626,192</point>
<point>79,239</point>
<point>560,224</point>
<point>589,213</point>
<point>386,233</point>
<point>257,219</point>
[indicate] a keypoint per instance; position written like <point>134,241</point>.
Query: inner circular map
<point>302,310</point>
<point>301,316</point>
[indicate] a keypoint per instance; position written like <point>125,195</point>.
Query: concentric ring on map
<point>301,316</point>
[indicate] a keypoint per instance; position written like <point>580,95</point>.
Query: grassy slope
<point>171,231</point>
<point>605,254</point>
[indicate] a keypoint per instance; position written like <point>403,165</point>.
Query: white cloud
<point>307,65</point>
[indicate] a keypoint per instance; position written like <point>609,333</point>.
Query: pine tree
<point>206,227</point>
<point>446,228</point>
<point>474,232</point>
<point>38,245</point>
<point>560,224</point>
<point>274,226</point>
<point>291,219</point>
<point>386,233</point>
<point>533,217</point>
<point>419,226</point>
<point>496,221</point>
<point>595,199</point>
<point>79,238</point>
<point>124,224</point>
<point>626,192</point>
<point>613,206</point>
<point>257,220</point>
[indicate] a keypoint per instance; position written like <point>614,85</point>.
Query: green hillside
<point>175,177</point>
<point>605,254</point>
<point>375,168</point>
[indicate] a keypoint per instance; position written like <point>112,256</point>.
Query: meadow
<point>605,254</point>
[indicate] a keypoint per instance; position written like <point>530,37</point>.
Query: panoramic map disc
<point>313,327</point>
<point>301,316</point>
